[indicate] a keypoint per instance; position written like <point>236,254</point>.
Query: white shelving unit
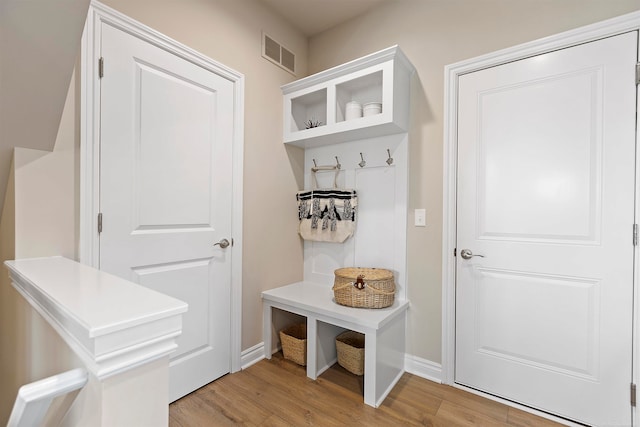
<point>382,77</point>
<point>382,182</point>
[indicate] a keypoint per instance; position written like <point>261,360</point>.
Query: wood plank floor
<point>277,392</point>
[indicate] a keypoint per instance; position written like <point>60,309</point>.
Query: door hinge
<point>100,223</point>
<point>455,251</point>
<point>638,73</point>
<point>633,394</point>
<point>635,234</point>
<point>101,67</point>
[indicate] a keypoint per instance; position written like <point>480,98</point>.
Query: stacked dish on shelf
<point>354,109</point>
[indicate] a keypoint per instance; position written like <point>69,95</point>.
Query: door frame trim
<point>607,28</point>
<point>90,142</point>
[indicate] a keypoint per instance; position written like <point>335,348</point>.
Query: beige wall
<point>434,33</point>
<point>230,32</point>
<point>10,366</point>
<point>38,219</point>
<point>39,40</point>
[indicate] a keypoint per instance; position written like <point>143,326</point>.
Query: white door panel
<point>166,132</point>
<point>546,158</point>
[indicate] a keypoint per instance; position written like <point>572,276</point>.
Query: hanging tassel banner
<point>327,215</point>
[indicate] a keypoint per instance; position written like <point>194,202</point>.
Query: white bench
<point>384,331</point>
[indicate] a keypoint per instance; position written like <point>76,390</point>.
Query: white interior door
<point>546,149</point>
<point>165,192</point>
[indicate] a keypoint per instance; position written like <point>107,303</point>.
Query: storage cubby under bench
<point>384,331</point>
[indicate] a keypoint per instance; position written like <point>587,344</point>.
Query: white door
<point>165,192</point>
<point>546,149</point>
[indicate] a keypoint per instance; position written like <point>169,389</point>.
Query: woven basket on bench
<point>294,343</point>
<point>364,287</point>
<point>350,349</point>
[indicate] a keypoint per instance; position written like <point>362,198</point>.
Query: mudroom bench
<point>384,331</point>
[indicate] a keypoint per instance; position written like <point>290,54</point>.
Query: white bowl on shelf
<point>372,108</point>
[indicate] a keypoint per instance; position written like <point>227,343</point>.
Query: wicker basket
<point>294,343</point>
<point>350,348</point>
<point>364,287</point>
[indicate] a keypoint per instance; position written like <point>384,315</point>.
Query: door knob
<point>224,243</point>
<point>467,254</point>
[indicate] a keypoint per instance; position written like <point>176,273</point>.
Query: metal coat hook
<point>362,163</point>
<point>314,163</point>
<point>390,159</point>
<point>338,165</point>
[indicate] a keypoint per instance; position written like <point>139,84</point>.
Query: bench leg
<point>384,360</point>
<point>370,367</point>
<point>266,329</point>
<point>312,346</point>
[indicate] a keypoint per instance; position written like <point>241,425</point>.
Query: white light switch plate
<point>420,218</point>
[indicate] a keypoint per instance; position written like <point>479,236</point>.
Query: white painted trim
<point>252,355</point>
<point>34,401</point>
<point>636,266</point>
<point>89,158</point>
<point>89,146</point>
<point>237,225</point>
<point>423,368</point>
<point>388,54</point>
<point>70,296</point>
<point>610,27</point>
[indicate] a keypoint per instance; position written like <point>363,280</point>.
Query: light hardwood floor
<point>277,392</point>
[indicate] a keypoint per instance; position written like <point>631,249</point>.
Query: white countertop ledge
<point>112,324</point>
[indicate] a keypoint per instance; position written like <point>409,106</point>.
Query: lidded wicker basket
<point>364,287</point>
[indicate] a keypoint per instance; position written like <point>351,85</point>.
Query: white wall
<point>434,33</point>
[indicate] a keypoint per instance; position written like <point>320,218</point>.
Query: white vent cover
<point>279,55</point>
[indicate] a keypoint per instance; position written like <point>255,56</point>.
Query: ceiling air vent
<point>279,55</point>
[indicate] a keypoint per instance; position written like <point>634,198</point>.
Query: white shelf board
<point>342,132</point>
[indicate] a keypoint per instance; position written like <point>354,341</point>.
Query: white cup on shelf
<point>353,110</point>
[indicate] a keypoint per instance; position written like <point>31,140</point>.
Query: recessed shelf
<point>363,90</point>
<point>309,107</point>
<point>382,77</point>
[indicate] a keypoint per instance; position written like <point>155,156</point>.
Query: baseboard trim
<point>423,368</point>
<point>252,355</point>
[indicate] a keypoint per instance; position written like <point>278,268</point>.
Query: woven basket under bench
<point>294,343</point>
<point>350,349</point>
<point>364,287</point>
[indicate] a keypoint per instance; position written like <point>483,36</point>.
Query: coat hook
<point>314,163</point>
<point>362,163</point>
<point>390,159</point>
<point>338,165</point>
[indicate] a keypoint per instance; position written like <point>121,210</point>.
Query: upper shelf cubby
<point>316,107</point>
